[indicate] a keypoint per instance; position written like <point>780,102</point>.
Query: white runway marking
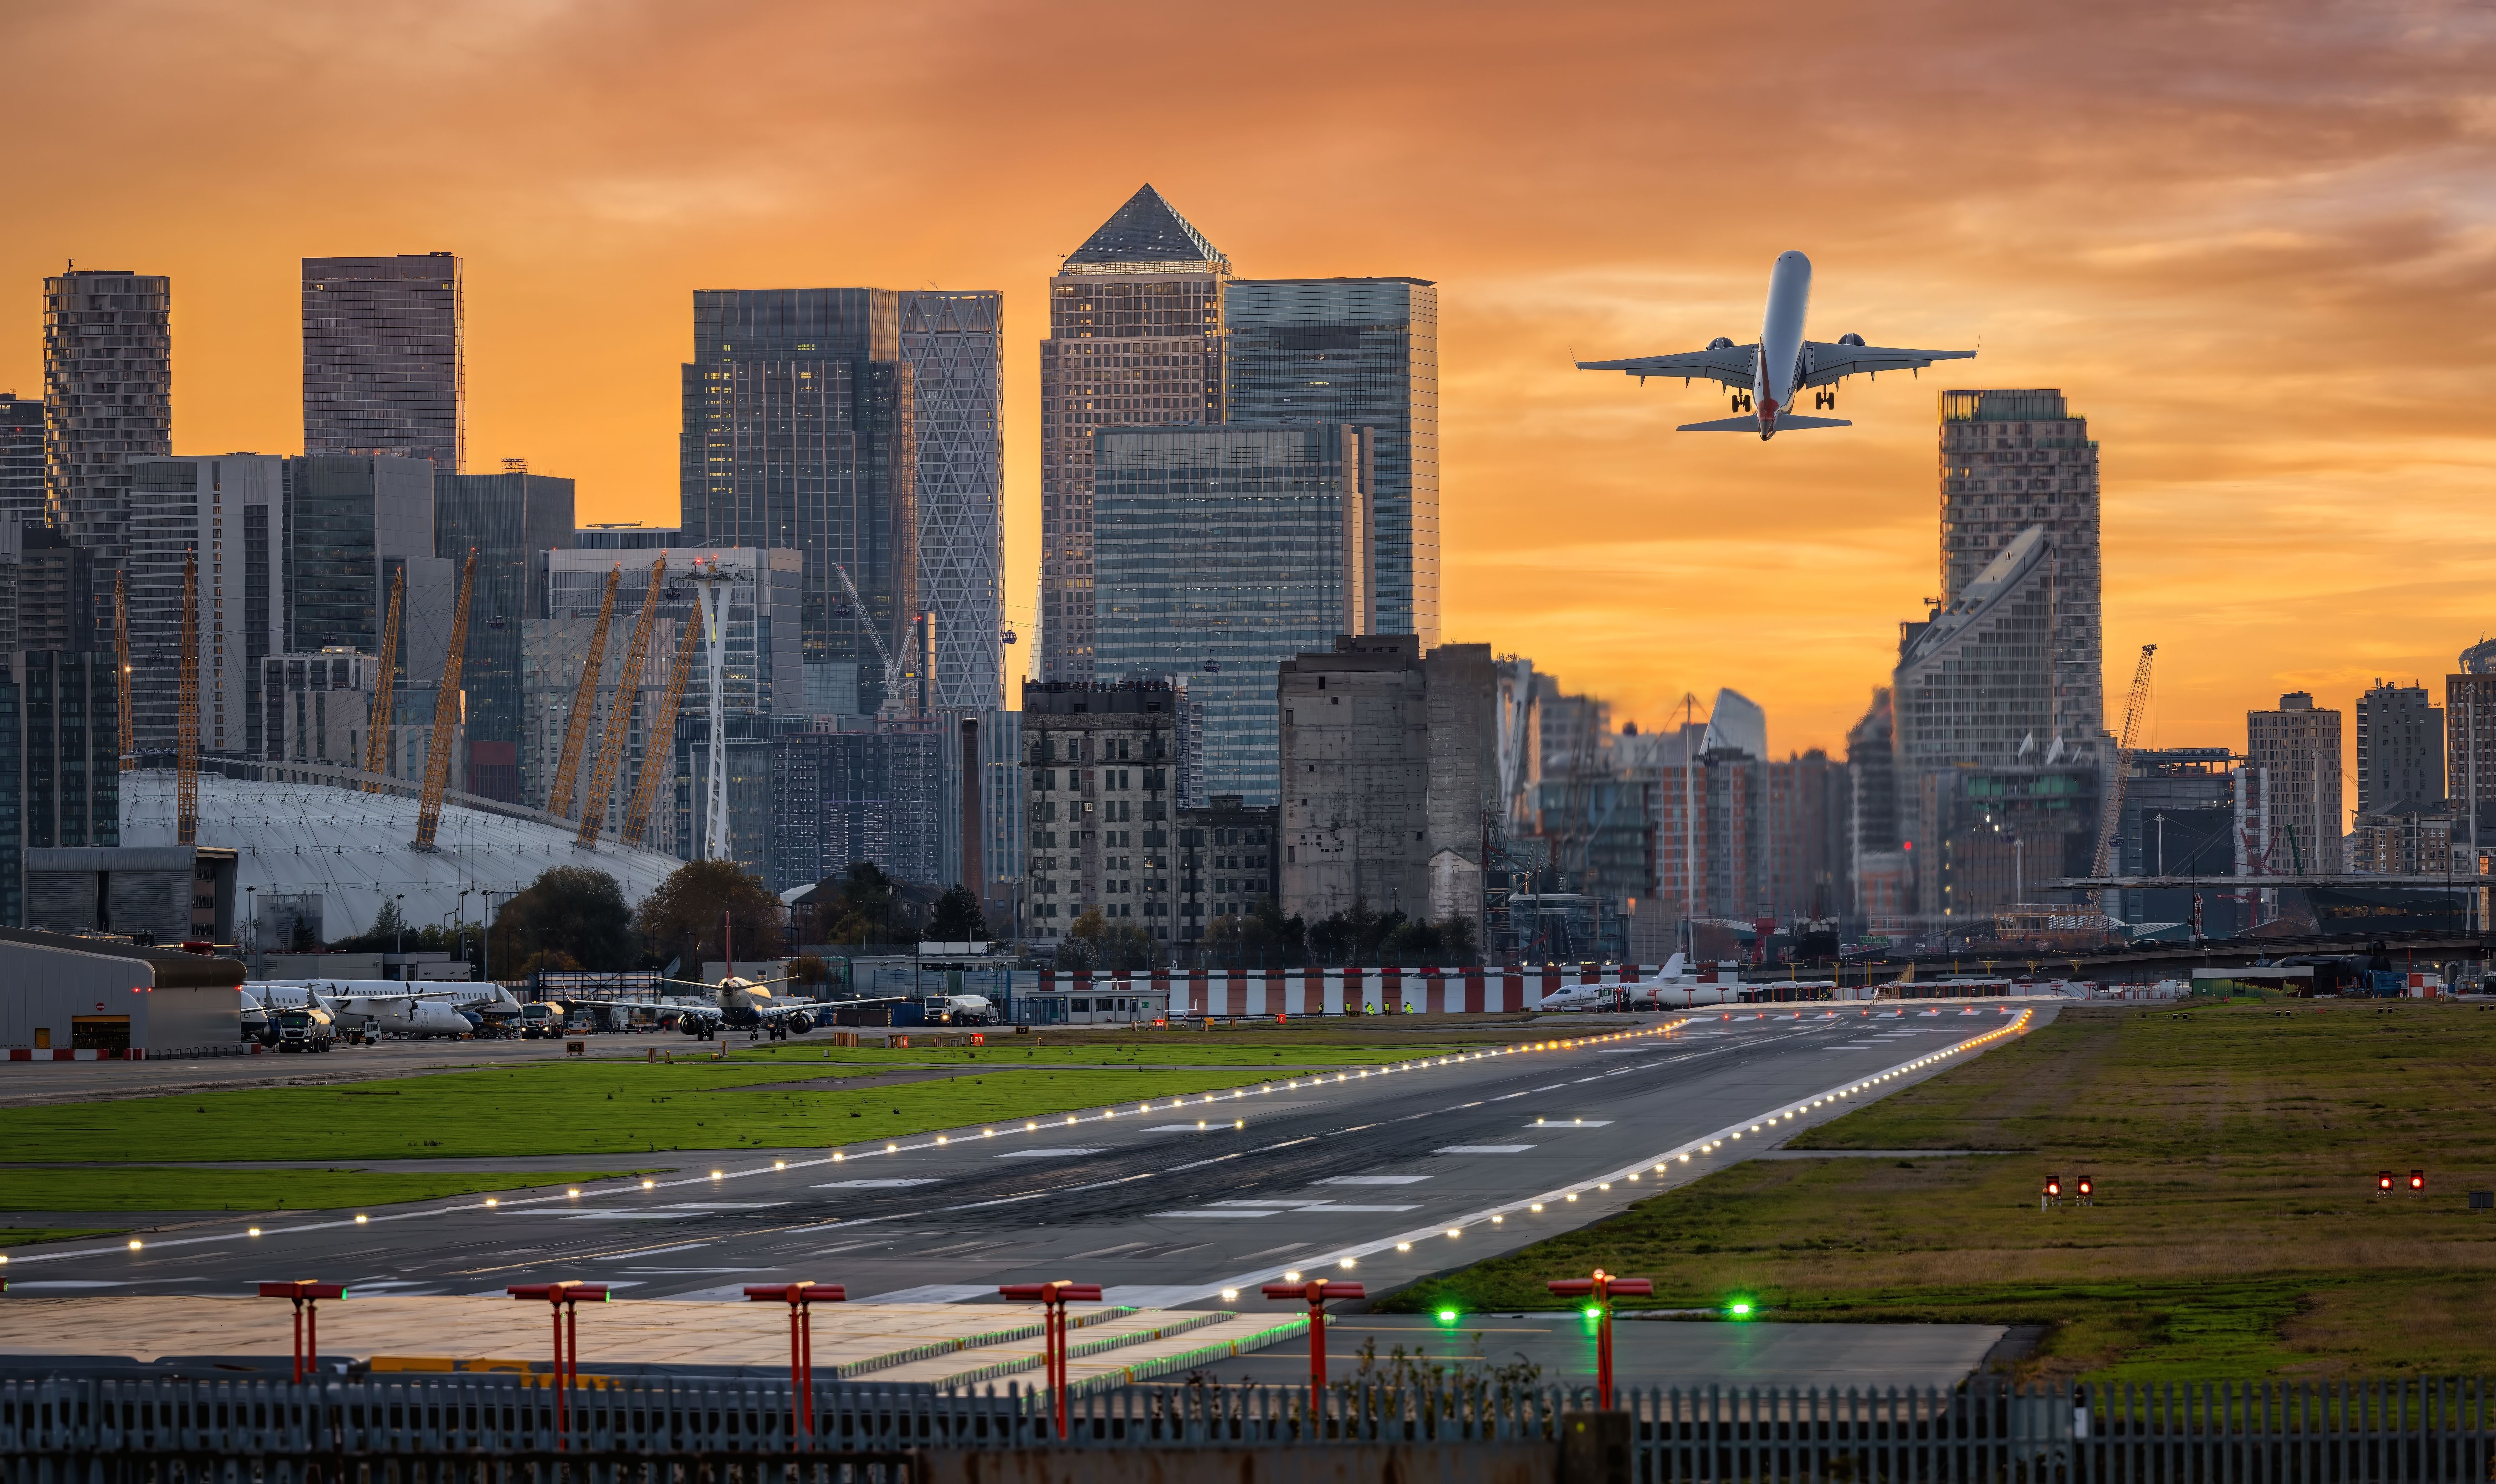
<point>871,1185</point>
<point>1484,1148</point>
<point>1373,1179</point>
<point>1049,1154</point>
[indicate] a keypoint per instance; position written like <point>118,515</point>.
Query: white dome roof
<point>353,847</point>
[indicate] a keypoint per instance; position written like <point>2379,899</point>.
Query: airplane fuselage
<point>1777,370</point>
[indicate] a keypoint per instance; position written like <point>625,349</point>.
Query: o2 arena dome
<point>353,847</point>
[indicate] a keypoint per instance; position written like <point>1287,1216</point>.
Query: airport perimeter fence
<point>503,1429</point>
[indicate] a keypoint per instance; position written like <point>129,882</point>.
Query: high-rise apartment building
<point>955,342</point>
<point>2299,748</point>
<point>384,358</point>
<point>799,433</point>
<point>108,397</point>
<point>1361,351</point>
<point>1973,685</point>
<point>1219,553</point>
<point>1105,772</point>
<point>872,793</point>
<point>2400,749</point>
<point>1135,324</point>
<point>2470,753</point>
<point>510,521</point>
<point>60,770</point>
<point>47,590</point>
<point>21,460</point>
<point>2014,460</point>
<point>229,513</point>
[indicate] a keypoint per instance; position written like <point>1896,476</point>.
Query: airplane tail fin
<point>1671,968</point>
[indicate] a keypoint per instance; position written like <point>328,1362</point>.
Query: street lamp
<point>399,915</point>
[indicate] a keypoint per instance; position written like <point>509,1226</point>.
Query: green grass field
<point>2236,1233</point>
<point>159,1187</point>
<point>574,1107</point>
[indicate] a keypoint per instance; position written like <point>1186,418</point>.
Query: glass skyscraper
<point>1135,320</point>
<point>509,520</point>
<point>384,358</point>
<point>1220,553</point>
<point>954,343</point>
<point>799,433</point>
<point>1361,351</point>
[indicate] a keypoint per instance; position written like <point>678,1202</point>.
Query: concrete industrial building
<point>384,358</point>
<point>1218,554</point>
<point>2400,750</point>
<point>1229,864</point>
<point>229,513</point>
<point>85,999</point>
<point>1103,775</point>
<point>2297,747</point>
<point>22,461</point>
<point>1134,324</point>
<point>109,398</point>
<point>1390,777</point>
<point>172,894</point>
<point>2014,460</point>
<point>1363,352</point>
<point>954,343</point>
<point>799,433</point>
<point>506,521</point>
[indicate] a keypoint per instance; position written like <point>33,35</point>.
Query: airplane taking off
<point>1766,377</point>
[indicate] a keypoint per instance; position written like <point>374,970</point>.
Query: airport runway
<point>1404,1172</point>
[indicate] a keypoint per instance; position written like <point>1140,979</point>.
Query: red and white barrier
<point>52,1053</point>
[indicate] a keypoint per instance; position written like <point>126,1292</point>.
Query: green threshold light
<point>1446,1316</point>
<point>1594,1314</point>
<point>1739,1309</point>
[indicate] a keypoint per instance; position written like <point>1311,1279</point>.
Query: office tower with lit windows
<point>1135,324</point>
<point>384,358</point>
<point>1221,553</point>
<point>1364,352</point>
<point>109,398</point>
<point>799,434</point>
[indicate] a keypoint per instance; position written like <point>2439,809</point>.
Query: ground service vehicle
<point>308,1029</point>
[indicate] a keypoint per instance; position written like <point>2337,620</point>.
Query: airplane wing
<point>1834,360</point>
<point>1730,365</point>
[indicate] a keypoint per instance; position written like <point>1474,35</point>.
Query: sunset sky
<point>2254,244</point>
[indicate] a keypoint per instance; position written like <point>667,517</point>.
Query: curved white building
<point>352,849</point>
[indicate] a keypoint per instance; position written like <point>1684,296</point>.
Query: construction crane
<point>121,651</point>
<point>446,713</point>
<point>661,741</point>
<point>894,707</point>
<point>620,711</point>
<point>186,748</point>
<point>2134,711</point>
<point>584,701</point>
<point>377,726</point>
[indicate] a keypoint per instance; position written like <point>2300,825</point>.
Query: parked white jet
<point>1767,376</point>
<point>1604,997</point>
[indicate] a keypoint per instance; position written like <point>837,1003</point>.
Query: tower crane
<point>620,711</point>
<point>446,713</point>
<point>186,747</point>
<point>377,726</point>
<point>2133,710</point>
<point>584,699</point>
<point>895,706</point>
<point>661,742</point>
<point>121,651</point>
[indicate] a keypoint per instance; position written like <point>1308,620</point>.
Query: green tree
<point>575,912</point>
<point>862,904</point>
<point>957,918</point>
<point>682,918</point>
<point>388,930</point>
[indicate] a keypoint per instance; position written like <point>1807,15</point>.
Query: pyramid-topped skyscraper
<point>1135,324</point>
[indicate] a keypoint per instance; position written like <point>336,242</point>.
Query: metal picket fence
<point>502,1430</point>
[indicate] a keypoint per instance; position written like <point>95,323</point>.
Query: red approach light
<point>2383,1182</point>
<point>2053,1185</point>
<point>2417,1181</point>
<point>2087,1185</point>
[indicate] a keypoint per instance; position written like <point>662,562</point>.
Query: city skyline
<point>2245,288</point>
